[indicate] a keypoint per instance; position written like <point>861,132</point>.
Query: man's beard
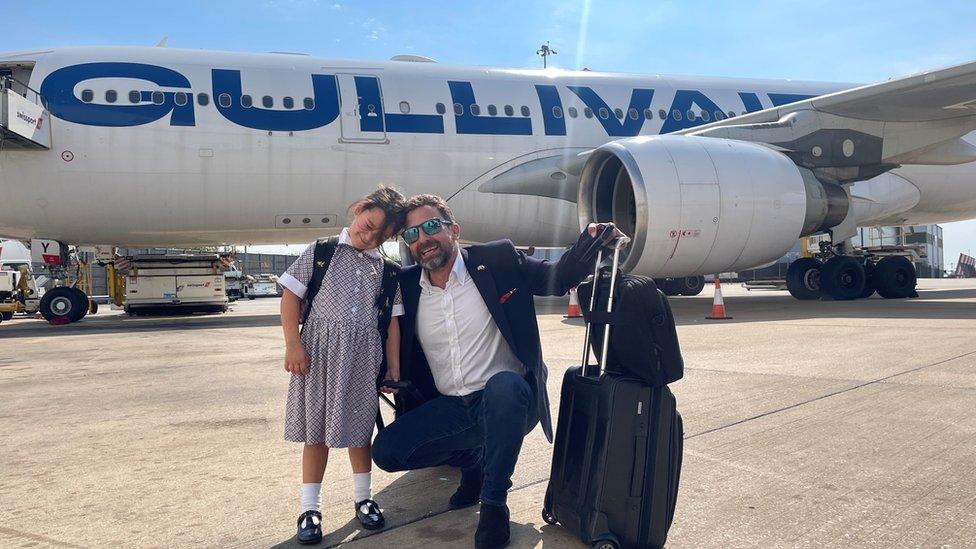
<point>440,257</point>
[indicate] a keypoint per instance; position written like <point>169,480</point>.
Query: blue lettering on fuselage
<point>58,89</point>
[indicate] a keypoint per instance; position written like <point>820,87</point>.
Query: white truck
<point>18,289</point>
<point>263,285</point>
<point>184,282</point>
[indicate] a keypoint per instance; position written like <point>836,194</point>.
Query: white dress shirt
<point>463,345</point>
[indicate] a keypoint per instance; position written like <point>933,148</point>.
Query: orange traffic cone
<point>718,305</point>
<point>573,311</point>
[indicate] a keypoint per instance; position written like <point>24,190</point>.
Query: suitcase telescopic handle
<point>618,244</point>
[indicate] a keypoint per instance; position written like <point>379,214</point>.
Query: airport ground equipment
<point>180,282</point>
<point>263,285</point>
<point>234,283</point>
<point>618,446</point>
<point>18,291</point>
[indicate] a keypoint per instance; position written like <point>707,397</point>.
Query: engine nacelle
<point>704,205</point>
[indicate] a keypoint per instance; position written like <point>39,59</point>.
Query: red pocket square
<point>506,296</point>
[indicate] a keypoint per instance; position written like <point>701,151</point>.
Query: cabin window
<point>87,96</point>
<point>203,99</point>
<point>492,110</point>
<point>648,114</point>
<point>509,111</point>
<point>309,104</point>
<point>557,112</point>
<point>246,101</point>
<point>525,111</point>
<point>224,100</point>
<point>288,102</point>
<point>458,109</point>
<point>691,114</point>
<point>111,96</point>
<point>267,101</point>
<point>587,112</point>
<point>180,99</point>
<point>158,98</point>
<point>662,114</point>
<point>404,107</point>
<point>475,110</point>
<point>704,116</point>
<point>604,113</point>
<point>135,97</point>
<point>731,114</point>
<point>572,112</point>
<point>676,114</point>
<point>719,115</point>
<point>618,113</point>
<point>440,108</point>
<point>633,114</point>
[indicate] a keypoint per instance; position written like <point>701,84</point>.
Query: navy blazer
<point>496,268</point>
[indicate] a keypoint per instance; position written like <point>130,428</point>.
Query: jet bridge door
<point>361,108</point>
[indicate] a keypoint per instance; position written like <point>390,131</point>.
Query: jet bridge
<point>25,122</point>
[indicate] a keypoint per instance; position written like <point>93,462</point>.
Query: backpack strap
<point>384,306</point>
<point>324,250</point>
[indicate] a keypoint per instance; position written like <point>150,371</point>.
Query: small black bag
<point>643,341</point>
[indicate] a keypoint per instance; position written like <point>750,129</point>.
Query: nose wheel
<point>64,305</point>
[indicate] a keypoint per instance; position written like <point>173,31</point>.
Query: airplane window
<point>87,96</point>
<point>458,109</point>
<point>288,102</point>
<point>525,111</point>
<point>404,107</point>
<point>492,110</point>
<point>633,114</point>
<point>224,100</point>
<point>704,116</point>
<point>677,114</point>
<point>203,99</point>
<point>557,112</point>
<point>267,101</point>
<point>587,112</point>
<point>719,115</point>
<point>618,113</point>
<point>111,96</point>
<point>572,112</point>
<point>441,109</point>
<point>475,110</point>
<point>731,114</point>
<point>309,104</point>
<point>691,114</point>
<point>158,98</point>
<point>509,111</point>
<point>604,113</point>
<point>134,97</point>
<point>180,98</point>
<point>246,101</point>
<point>648,114</point>
<point>662,114</point>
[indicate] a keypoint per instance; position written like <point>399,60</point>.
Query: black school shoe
<point>369,515</point>
<point>310,528</point>
<point>468,492</point>
<point>493,527</point>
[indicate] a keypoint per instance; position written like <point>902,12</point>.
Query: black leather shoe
<point>310,528</point>
<point>493,527</point>
<point>468,492</point>
<point>369,515</point>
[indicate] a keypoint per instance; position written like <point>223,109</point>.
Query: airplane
<point>143,146</point>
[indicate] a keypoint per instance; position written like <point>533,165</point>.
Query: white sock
<point>362,486</point>
<point>311,496</point>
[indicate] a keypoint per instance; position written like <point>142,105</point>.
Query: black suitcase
<point>616,459</point>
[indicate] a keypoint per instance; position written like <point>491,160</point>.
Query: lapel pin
<point>481,267</point>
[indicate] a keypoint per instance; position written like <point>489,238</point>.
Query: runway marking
<point>828,395</point>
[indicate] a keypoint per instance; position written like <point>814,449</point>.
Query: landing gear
<point>896,277</point>
<point>63,305</point>
<point>687,285</point>
<point>803,278</point>
<point>842,277</point>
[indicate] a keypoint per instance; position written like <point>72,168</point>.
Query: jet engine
<point>698,205</point>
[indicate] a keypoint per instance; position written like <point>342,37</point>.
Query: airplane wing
<point>862,132</point>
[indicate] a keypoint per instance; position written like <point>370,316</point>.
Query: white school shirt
<point>463,345</point>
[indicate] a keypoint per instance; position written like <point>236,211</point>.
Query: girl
<point>335,359</point>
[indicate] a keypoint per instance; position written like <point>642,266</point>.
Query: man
<point>470,345</point>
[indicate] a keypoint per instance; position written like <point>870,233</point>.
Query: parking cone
<point>573,311</point>
<point>718,305</point>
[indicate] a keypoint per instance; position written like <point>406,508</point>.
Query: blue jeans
<point>484,428</point>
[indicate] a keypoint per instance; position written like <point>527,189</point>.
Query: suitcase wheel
<point>606,543</point>
<point>547,517</point>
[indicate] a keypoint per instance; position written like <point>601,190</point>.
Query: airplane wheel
<point>63,305</point>
<point>691,285</point>
<point>803,278</point>
<point>6,316</point>
<point>842,277</point>
<point>92,307</point>
<point>896,277</point>
<point>870,280</point>
<point>669,286</point>
<point>85,304</point>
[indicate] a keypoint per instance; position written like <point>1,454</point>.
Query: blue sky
<point>840,41</point>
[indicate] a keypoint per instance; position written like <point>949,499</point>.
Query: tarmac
<point>807,424</point>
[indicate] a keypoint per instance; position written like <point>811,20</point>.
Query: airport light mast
<point>545,51</point>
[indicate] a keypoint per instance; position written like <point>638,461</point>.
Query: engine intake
<point>704,205</point>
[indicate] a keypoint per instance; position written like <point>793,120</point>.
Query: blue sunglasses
<point>431,227</point>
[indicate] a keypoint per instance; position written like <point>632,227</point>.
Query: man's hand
<point>596,228</point>
<point>296,359</point>
<point>392,374</point>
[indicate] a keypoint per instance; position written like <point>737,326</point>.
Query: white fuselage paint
<point>221,183</point>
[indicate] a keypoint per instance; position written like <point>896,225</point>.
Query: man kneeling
<point>470,344</point>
